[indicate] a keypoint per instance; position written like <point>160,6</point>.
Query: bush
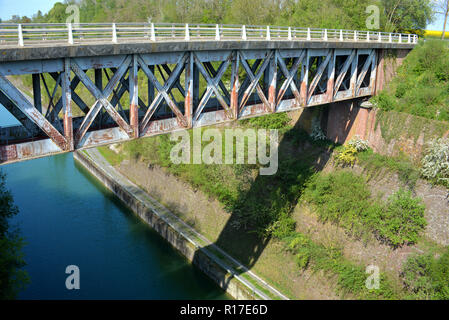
<point>358,143</point>
<point>402,219</point>
<point>435,165</point>
<point>347,156</point>
<point>427,277</point>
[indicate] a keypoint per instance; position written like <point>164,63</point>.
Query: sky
<point>24,7</point>
<point>30,7</point>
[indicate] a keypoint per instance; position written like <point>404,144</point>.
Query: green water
<point>68,218</point>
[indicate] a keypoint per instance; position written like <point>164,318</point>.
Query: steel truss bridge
<point>108,83</point>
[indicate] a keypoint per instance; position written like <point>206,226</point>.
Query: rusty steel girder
<point>181,90</point>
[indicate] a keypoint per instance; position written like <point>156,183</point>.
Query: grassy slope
<point>421,86</point>
<point>265,205</point>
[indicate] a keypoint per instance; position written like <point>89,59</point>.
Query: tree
<point>408,15</point>
<point>442,7</point>
<point>12,278</point>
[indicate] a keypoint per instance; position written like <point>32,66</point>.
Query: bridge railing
<point>37,33</point>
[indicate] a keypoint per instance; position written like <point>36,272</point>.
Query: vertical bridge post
<point>134,97</point>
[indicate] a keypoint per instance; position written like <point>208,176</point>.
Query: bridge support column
<point>134,97</point>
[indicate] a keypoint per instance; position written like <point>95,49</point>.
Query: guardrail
<point>37,33</point>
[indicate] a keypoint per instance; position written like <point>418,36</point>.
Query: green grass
<point>351,277</point>
<point>344,198</point>
<point>421,86</point>
<point>427,276</point>
<point>375,164</point>
<point>112,157</point>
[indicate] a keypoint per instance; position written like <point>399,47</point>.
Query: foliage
<point>376,164</point>
<point>407,16</point>
<point>410,15</point>
<point>12,278</point>
<point>350,277</point>
<point>422,83</point>
<point>317,134</point>
<point>427,277</point>
<point>279,121</point>
<point>344,198</point>
<point>435,164</point>
<point>401,220</point>
<point>347,155</point>
<point>358,143</point>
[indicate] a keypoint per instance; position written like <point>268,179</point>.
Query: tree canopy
<point>395,15</point>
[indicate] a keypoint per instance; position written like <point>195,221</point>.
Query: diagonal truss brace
<point>289,76</point>
<point>101,97</point>
<point>319,75</point>
<point>163,92</point>
<point>343,72</point>
<point>32,113</point>
<point>369,61</point>
<point>212,86</point>
<point>254,80</point>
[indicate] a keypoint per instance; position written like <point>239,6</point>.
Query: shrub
<point>402,219</point>
<point>317,133</point>
<point>358,143</point>
<point>347,156</point>
<point>427,277</point>
<point>435,165</point>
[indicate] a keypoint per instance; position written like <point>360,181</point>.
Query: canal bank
<point>219,266</point>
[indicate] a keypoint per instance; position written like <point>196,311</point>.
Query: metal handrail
<point>32,33</point>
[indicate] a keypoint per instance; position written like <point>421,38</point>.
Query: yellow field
<point>435,34</point>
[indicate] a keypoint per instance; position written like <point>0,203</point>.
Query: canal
<point>68,218</point>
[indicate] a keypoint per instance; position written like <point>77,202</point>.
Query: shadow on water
<point>271,199</point>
